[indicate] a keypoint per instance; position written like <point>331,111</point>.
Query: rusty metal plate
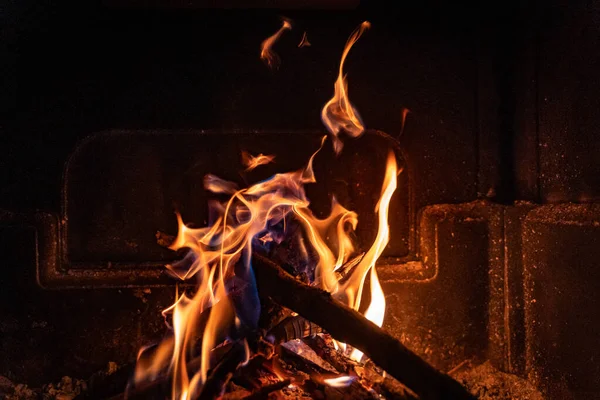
<point>561,249</point>
<point>122,187</point>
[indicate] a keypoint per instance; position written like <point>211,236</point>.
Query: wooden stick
<point>221,374</point>
<point>349,326</point>
<point>389,387</point>
<point>337,360</point>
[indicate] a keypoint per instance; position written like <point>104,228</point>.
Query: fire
<point>339,114</point>
<point>341,381</point>
<point>251,162</point>
<point>405,112</point>
<point>219,257</point>
<point>266,52</point>
<point>304,41</point>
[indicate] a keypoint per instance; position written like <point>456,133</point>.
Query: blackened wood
<point>297,355</point>
<point>292,328</point>
<point>389,387</point>
<point>107,386</point>
<point>349,326</point>
<point>220,375</point>
<point>263,392</point>
<point>340,362</point>
<point>232,354</point>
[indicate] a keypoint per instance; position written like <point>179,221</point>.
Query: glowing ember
<point>342,381</point>
<point>251,162</point>
<point>266,52</point>
<point>219,256</point>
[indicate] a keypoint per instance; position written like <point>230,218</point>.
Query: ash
<point>487,382</point>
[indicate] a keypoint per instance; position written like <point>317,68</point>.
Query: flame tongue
<point>219,255</point>
<point>266,52</point>
<point>338,113</point>
<point>251,162</point>
<point>352,289</point>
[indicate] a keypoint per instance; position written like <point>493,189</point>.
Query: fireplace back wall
<point>497,198</point>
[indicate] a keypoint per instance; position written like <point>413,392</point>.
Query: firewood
<point>263,392</point>
<point>349,326</point>
<point>215,382</point>
<point>107,386</point>
<point>247,375</point>
<point>303,358</point>
<point>355,391</point>
<point>292,328</point>
<point>389,387</point>
<point>220,375</point>
<point>324,350</point>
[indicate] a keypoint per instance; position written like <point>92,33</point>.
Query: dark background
<point>72,70</point>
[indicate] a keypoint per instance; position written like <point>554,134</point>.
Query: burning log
<point>215,382</point>
<point>221,374</point>
<point>323,349</point>
<point>343,323</point>
<point>385,385</point>
<point>293,328</point>
<point>349,326</point>
<point>111,386</point>
<point>264,391</point>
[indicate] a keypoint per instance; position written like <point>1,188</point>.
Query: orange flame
<point>340,381</point>
<point>219,256</point>
<point>304,41</point>
<point>216,250</point>
<point>266,52</point>
<point>352,289</point>
<point>338,113</point>
<point>251,162</point>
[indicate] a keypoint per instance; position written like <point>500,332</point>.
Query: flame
<point>356,280</point>
<point>304,41</point>
<point>338,113</point>
<point>221,253</point>
<point>341,381</point>
<point>247,353</point>
<point>354,285</point>
<point>322,237</point>
<point>217,185</point>
<point>405,112</point>
<point>251,162</point>
<point>266,52</point>
<point>376,310</point>
<point>219,257</point>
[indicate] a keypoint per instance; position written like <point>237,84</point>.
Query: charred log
<point>221,374</point>
<point>264,392</point>
<point>292,328</point>
<point>347,325</point>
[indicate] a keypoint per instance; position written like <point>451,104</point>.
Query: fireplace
<point>115,113</point>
